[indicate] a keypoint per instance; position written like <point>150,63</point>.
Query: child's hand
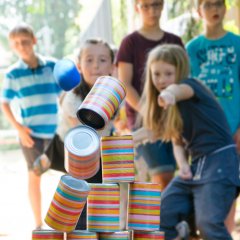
<point>25,137</point>
<point>185,172</point>
<point>237,140</point>
<point>166,99</point>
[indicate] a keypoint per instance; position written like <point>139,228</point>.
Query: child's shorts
<point>158,156</point>
<point>32,153</point>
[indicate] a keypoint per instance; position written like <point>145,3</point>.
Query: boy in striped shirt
<point>30,81</point>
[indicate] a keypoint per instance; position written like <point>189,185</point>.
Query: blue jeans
<point>211,203</point>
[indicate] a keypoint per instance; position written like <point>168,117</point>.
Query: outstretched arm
<point>174,93</point>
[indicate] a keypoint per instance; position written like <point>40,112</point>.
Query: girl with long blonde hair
<point>182,110</point>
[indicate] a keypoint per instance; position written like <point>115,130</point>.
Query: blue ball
<point>66,74</point>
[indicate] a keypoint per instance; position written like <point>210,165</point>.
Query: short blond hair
<point>22,28</point>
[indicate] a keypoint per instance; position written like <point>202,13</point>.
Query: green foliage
<point>119,19</point>
<point>56,16</point>
<point>194,26</point>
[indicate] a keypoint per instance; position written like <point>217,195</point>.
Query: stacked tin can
<point>83,148</point>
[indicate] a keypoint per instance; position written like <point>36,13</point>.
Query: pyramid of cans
<point>83,149</point>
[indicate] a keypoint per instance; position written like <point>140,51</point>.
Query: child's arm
<point>23,131</point>
<point>125,73</point>
<point>174,93</point>
<point>181,159</point>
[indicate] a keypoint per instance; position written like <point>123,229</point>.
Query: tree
<point>53,22</point>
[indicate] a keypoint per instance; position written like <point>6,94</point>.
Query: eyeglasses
<point>154,5</point>
<point>209,6</point>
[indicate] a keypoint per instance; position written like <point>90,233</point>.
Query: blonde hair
<point>22,28</point>
<point>166,124</point>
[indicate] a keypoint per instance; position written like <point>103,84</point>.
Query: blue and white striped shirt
<point>36,91</point>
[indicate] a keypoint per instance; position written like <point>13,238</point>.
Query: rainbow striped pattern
<point>123,235</point>
<point>144,206</point>
<point>47,234</point>
<point>81,234</point>
<point>67,204</point>
<point>141,235</point>
<point>117,159</point>
<point>103,208</point>
<point>102,102</point>
<point>82,152</point>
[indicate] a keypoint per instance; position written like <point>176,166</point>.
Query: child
<point>95,59</point>
<point>215,60</point>
<point>31,82</point>
<point>192,119</point>
<point>131,60</point>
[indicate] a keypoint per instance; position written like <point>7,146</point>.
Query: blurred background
<point>60,27</point>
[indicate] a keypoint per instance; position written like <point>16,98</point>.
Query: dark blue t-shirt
<point>205,126</point>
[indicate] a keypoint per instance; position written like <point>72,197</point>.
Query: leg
<point>176,205</point>
<point>34,188</point>
<point>212,202</point>
<point>163,178</point>
<point>34,191</point>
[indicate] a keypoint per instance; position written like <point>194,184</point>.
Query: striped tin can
<point>67,204</point>
<point>103,208</point>
<point>82,152</point>
<point>143,235</point>
<point>121,235</point>
<point>102,102</point>
<point>82,234</point>
<point>117,159</point>
<point>144,206</point>
<point>47,234</point>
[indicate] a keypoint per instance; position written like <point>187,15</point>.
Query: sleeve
<point>70,104</point>
<point>9,90</point>
<point>200,90</point>
<point>125,52</point>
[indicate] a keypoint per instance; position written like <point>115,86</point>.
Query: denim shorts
<point>158,156</point>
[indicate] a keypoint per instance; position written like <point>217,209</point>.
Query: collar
<point>41,62</point>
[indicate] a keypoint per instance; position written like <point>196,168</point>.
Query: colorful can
<point>82,234</point>
<point>47,234</point>
<point>143,235</point>
<point>144,206</point>
<point>102,102</point>
<point>82,152</point>
<point>67,204</point>
<point>103,208</point>
<point>117,159</point>
<point>123,235</point>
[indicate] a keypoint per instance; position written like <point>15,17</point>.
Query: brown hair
<point>199,2</point>
<point>166,124</point>
<point>83,89</point>
<point>22,28</point>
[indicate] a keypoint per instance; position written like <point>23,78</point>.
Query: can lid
<point>75,183</point>
<point>82,141</point>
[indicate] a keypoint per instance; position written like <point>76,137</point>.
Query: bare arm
<point>23,132</point>
<point>182,162</point>
<point>125,73</point>
<point>174,93</point>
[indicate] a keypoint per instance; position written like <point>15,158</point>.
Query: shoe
<point>41,165</point>
<point>183,230</point>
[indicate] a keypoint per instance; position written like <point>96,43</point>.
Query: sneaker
<point>183,230</point>
<point>41,165</point>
